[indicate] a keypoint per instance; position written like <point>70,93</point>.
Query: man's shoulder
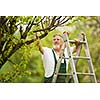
<point>47,48</point>
<point>71,48</point>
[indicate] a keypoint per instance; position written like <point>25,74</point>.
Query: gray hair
<point>58,35</point>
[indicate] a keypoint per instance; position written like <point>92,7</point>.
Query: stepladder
<point>80,68</point>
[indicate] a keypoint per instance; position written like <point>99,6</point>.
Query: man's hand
<point>38,43</point>
<point>77,42</point>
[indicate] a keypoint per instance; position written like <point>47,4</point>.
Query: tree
<point>19,62</point>
<point>15,31</point>
<point>90,25</point>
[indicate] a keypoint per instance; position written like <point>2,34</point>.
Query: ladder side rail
<point>58,64</point>
<point>71,61</point>
<point>77,54</point>
<point>75,62</point>
<point>86,47</point>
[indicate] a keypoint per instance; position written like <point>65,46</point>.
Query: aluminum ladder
<point>74,59</point>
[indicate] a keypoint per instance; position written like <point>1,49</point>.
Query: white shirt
<point>49,62</point>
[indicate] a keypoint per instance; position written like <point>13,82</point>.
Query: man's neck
<point>58,51</point>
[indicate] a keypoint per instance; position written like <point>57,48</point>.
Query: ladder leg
<point>77,54</point>
<point>72,64</point>
<point>58,65</point>
<point>90,60</point>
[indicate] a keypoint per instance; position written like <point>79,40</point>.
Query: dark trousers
<point>60,79</point>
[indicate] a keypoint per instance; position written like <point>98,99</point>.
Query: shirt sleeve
<point>72,49</point>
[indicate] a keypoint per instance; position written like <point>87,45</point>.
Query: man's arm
<point>77,44</point>
<point>40,46</point>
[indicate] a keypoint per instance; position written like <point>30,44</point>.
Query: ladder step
<point>73,41</point>
<point>78,57</point>
<point>64,74</point>
<point>81,57</point>
<point>65,57</point>
<point>79,73</point>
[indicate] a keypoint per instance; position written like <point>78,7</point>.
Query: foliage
<point>20,59</point>
<point>17,33</point>
<point>90,25</point>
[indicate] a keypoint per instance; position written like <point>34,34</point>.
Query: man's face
<point>57,42</point>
